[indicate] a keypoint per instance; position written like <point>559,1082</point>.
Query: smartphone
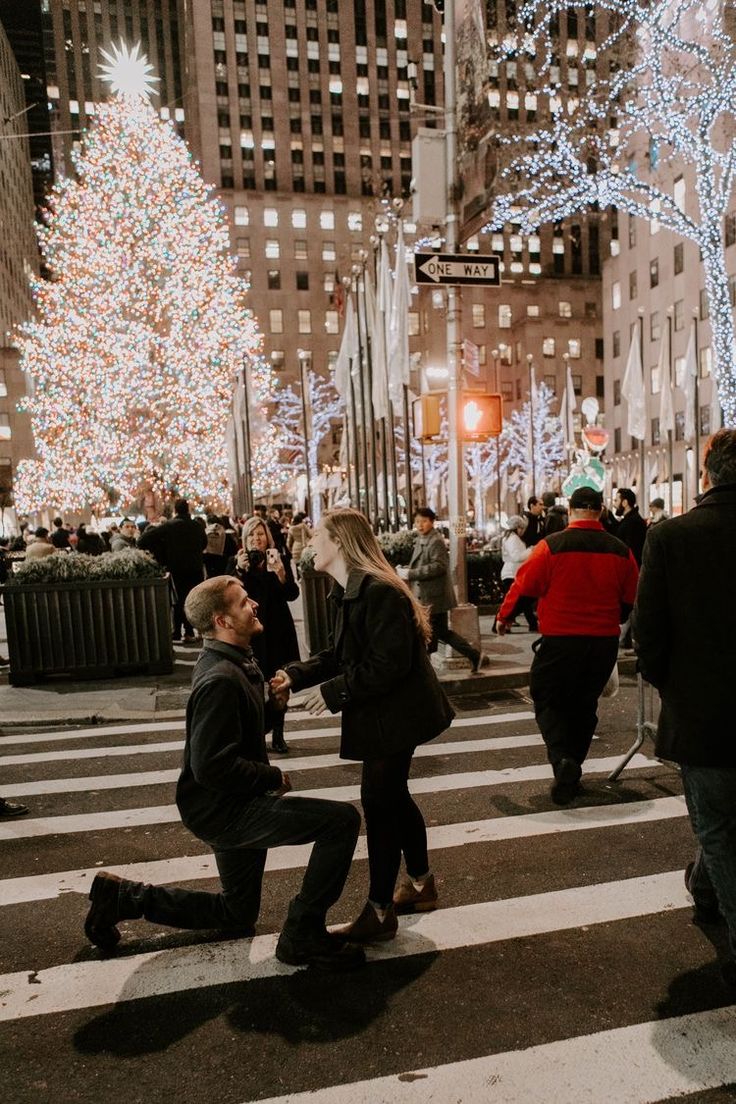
<point>272,558</point>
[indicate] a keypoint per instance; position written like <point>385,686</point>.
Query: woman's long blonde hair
<point>362,552</point>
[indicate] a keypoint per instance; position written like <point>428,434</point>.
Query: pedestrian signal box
<point>480,416</point>
<point>428,416</point>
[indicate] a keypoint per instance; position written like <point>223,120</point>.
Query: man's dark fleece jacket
<point>225,759</point>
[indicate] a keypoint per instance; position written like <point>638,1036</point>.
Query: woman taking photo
<point>377,673</point>
<point>268,580</point>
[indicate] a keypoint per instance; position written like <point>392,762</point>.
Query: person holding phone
<point>268,579</point>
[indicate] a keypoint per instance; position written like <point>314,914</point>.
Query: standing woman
<point>515,552</point>
<point>377,673</point>
<point>268,579</point>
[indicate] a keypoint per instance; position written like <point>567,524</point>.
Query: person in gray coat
<point>428,574</point>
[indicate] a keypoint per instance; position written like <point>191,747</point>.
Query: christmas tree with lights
<point>131,360</point>
<point>532,444</point>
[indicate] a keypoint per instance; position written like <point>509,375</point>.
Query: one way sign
<point>457,268</point>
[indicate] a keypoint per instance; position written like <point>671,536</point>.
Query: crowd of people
<point>585,577</point>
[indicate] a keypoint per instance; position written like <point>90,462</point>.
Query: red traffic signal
<point>480,416</point>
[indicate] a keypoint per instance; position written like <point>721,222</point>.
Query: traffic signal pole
<point>455,452</point>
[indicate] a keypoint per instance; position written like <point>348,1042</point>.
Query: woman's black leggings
<point>393,824</point>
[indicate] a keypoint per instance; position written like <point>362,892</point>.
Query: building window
<point>304,321</point>
<point>278,360</point>
<point>241,215</point>
<point>655,329</point>
<point>565,309</point>
<point>678,315</point>
<point>680,426</point>
<point>300,250</point>
<point>479,315</point>
<point>678,258</point>
<point>616,344</point>
<point>615,295</point>
<point>551,382</point>
<point>632,231</point>
<point>705,362</point>
<point>270,216</point>
<point>617,440</point>
<point>548,346</point>
<point>332,323</point>
<point>703,306</point>
<point>299,218</point>
<point>532,310</point>
<point>656,383</point>
<point>327,220</point>
<point>655,431</point>
<point>504,316</point>
<point>413,319</point>
<point>302,281</point>
<point>242,247</point>
<point>355,221</point>
<point>276,321</point>
<point>617,397</point>
<point>632,285</point>
<point>679,371</point>
<point>3,382</point>
<point>328,251</point>
<point>704,420</point>
<point>274,279</point>
<point>577,384</point>
<point>730,230</point>
<point>575,348</point>
<point>654,273</point>
<point>273,250</point>
<point>732,290</point>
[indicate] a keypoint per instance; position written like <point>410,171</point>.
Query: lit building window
<point>355,221</point>
<point>565,309</point>
<point>616,295</point>
<point>574,348</point>
<point>327,220</point>
<point>328,251</point>
<point>413,320</point>
<point>304,321</point>
<point>548,346</point>
<point>332,325</point>
<point>479,315</point>
<point>242,217</point>
<point>270,216</point>
<point>276,321</point>
<point>273,250</point>
<point>504,316</point>
<point>299,218</point>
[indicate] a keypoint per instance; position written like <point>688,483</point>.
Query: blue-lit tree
<point>661,103</point>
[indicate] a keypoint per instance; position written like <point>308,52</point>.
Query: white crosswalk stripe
<point>645,1060</point>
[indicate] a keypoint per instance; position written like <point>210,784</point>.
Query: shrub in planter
<point>398,547</point>
<point>88,617</point>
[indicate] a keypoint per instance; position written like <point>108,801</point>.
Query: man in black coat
<point>230,797</point>
<point>179,545</point>
<point>632,528</point>
<point>684,632</point>
<point>534,515</point>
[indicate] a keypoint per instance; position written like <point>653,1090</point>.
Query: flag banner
<point>398,349</point>
<point>666,405</point>
<point>381,308</point>
<point>688,385</point>
<point>633,390</point>
<point>567,411</point>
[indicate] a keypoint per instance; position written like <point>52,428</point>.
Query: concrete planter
<point>88,630</point>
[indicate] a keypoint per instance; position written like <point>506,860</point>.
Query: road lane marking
<point>178,726</point>
<point>95,983</point>
<point>43,887</point>
<point>311,762</point>
<point>640,1064</point>
<point>166,814</point>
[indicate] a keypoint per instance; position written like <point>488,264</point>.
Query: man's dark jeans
<point>567,676</point>
<point>440,626</point>
<point>240,854</point>
<point>183,581</point>
<point>710,793</point>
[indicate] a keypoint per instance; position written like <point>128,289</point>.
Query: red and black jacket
<point>585,580</point>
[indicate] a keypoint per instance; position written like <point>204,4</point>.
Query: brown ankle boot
<point>100,925</point>
<point>408,898</point>
<point>368,928</point>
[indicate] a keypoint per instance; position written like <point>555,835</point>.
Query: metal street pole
<point>304,374</point>
<point>495,353</point>
<point>643,496</point>
<point>670,444</point>
<point>456,465</point>
<point>532,442</point>
<point>248,487</point>
<point>696,400</point>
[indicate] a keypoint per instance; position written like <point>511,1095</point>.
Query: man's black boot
<point>567,781</point>
<point>108,906</point>
<point>320,950</point>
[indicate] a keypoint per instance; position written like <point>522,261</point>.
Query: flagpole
<point>382,436</point>
<point>643,496</point>
<point>369,417</point>
<point>530,362</point>
<point>496,354</point>
<point>366,506</point>
<point>670,436</point>
<point>696,400</point>
<point>304,376</point>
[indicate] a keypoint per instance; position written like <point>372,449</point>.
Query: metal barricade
<point>646,725</point>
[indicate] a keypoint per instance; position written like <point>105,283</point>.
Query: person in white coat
<point>515,553</point>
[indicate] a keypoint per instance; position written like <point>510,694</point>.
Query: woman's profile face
<point>326,551</point>
<point>257,541</point>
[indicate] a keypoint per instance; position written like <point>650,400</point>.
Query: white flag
<point>378,334</point>
<point>688,385</point>
<point>633,390</point>
<point>567,410</point>
<point>716,414</point>
<point>349,350</point>
<point>666,407</point>
<point>398,350</point>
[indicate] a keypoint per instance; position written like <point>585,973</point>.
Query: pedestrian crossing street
<point>562,965</point>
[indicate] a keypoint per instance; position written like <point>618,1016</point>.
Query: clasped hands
<point>314,702</point>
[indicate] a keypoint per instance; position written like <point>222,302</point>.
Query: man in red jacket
<point>585,580</point>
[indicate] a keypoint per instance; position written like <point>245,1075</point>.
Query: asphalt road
<point>563,965</point>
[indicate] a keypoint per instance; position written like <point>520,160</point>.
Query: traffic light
<point>480,416</point>
<point>427,416</point>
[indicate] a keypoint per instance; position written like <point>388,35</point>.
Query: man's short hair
<point>206,600</point>
<point>425,512</point>
<point>58,522</point>
<point>531,501</point>
<point>548,499</point>
<point>657,504</point>
<point>260,510</point>
<point>627,495</point>
<point>181,507</point>
<point>720,457</point>
<point>42,532</point>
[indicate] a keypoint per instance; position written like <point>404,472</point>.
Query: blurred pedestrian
<point>583,578</point>
<point>534,528</point>
<point>178,544</point>
<point>268,578</point>
<point>221,545</point>
<point>688,580</point>
<point>89,543</point>
<point>126,537</point>
<point>60,534</point>
<point>555,515</point>
<point>40,546</point>
<point>378,674</point>
<point>297,538</point>
<point>657,512</point>
<point>428,575</point>
<point>514,553</point>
